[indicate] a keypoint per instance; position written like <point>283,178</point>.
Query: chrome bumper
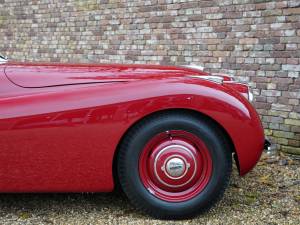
<point>269,147</point>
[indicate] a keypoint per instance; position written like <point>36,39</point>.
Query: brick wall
<point>257,41</point>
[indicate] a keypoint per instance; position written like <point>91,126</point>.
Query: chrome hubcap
<point>175,167</point>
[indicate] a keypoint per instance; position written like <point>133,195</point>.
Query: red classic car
<point>164,134</point>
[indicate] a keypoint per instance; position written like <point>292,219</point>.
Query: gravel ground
<point>270,194</point>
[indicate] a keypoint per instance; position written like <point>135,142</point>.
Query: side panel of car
<point>64,139</point>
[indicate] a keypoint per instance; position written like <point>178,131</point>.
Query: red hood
<point>53,74</point>
<point>37,75</point>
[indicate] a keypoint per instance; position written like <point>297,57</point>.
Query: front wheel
<point>174,165</point>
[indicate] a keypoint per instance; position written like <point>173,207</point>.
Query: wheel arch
<point>173,110</point>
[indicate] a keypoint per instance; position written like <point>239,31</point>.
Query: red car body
<point>60,124</point>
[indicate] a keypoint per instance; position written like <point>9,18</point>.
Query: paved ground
<point>270,194</point>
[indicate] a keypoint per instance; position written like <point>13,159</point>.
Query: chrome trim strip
<point>197,67</point>
<point>3,59</point>
<point>215,79</point>
<point>234,82</point>
<point>250,95</point>
<point>223,74</point>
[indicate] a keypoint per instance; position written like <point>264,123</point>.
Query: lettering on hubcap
<point>175,167</point>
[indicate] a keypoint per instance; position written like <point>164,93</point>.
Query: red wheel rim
<point>175,166</point>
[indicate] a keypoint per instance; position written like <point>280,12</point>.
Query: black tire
<point>140,134</point>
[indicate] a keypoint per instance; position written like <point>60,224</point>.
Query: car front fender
<point>228,108</point>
